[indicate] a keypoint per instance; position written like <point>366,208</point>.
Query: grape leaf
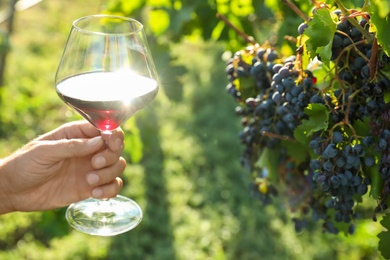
<point>321,31</point>
<point>384,237</point>
<point>269,160</point>
<point>383,7</point>
<point>362,127</point>
<point>296,151</point>
<point>245,86</point>
<point>318,120</point>
<point>380,23</point>
<point>376,181</point>
<point>386,96</point>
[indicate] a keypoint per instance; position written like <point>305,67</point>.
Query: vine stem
<point>344,124</point>
<point>350,99</point>
<point>296,10</point>
<point>246,37</point>
<point>373,59</point>
<point>273,135</point>
<point>346,14</point>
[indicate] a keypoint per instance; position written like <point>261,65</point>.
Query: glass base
<point>104,217</point>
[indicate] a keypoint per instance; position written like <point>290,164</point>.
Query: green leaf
<point>246,87</point>
<point>158,21</point>
<point>386,71</point>
<point>269,160</point>
<point>384,237</point>
<point>376,181</point>
<point>318,120</point>
<point>180,17</point>
<point>386,96</point>
<point>383,7</point>
<point>362,128</point>
<point>217,31</point>
<point>296,151</point>
<point>320,32</point>
<point>381,23</point>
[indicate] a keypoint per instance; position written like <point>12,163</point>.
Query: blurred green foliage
<point>188,180</point>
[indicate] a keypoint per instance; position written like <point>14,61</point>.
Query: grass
<point>194,194</point>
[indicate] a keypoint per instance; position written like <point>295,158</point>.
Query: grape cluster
<point>379,134</point>
<point>271,104</point>
<point>338,173</point>
<point>272,93</point>
<point>369,96</point>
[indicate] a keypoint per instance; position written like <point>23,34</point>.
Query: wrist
<point>5,203</point>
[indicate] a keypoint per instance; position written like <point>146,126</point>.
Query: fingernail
<point>92,178</point>
<point>118,144</point>
<point>94,141</point>
<point>97,192</point>
<point>99,161</point>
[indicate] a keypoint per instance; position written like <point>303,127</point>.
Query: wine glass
<point>106,74</point>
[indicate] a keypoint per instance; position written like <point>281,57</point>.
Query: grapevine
<point>316,125</point>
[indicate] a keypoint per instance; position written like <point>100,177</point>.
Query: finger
<point>61,149</point>
<point>109,190</point>
<point>105,158</point>
<point>77,129</point>
<point>115,140</point>
<point>106,175</point>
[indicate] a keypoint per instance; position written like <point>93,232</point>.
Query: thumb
<point>67,148</point>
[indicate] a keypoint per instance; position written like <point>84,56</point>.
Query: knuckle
<point>72,144</point>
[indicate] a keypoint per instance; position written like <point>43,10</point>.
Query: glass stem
<point>106,137</point>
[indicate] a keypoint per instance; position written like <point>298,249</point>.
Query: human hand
<point>68,164</point>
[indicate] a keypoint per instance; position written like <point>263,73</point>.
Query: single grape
<point>315,165</point>
<point>340,161</point>
<point>260,53</point>
<point>357,149</point>
<point>382,144</point>
<point>359,62</point>
<point>365,72</point>
<point>288,118</point>
<point>330,151</point>
<point>334,181</point>
<point>337,137</point>
<point>277,67</point>
<point>314,143</point>
<point>272,56</point>
<point>337,41</point>
<point>284,72</point>
<point>276,97</point>
<point>355,33</point>
<point>302,27</point>
<point>288,83</point>
<point>328,166</point>
<point>277,78</point>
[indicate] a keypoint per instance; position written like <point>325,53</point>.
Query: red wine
<point>106,99</point>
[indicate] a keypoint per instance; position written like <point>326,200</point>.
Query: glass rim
<point>123,18</point>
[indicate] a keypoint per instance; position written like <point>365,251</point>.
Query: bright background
<point>183,149</point>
